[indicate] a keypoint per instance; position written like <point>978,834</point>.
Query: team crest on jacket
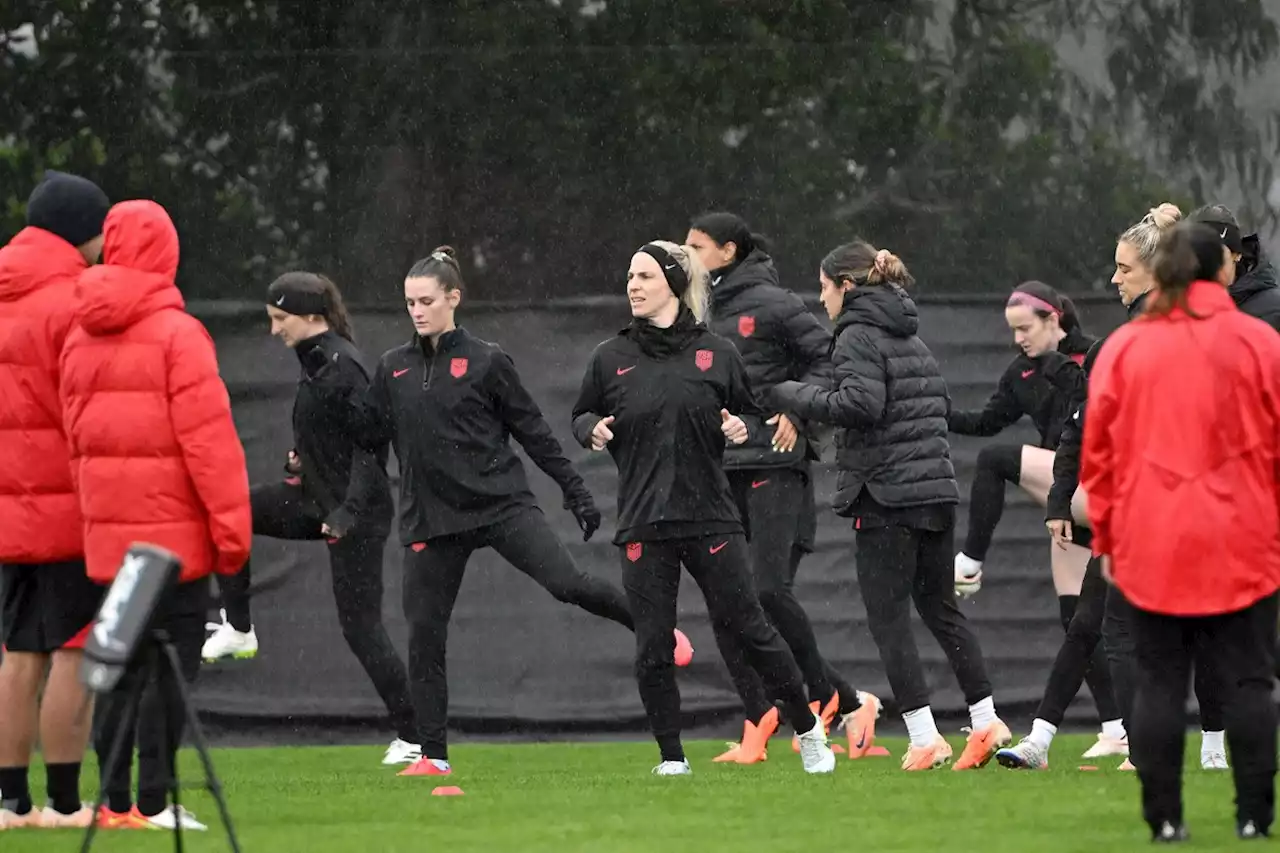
<point>746,326</point>
<point>703,359</point>
<point>458,368</point>
<point>634,550</point>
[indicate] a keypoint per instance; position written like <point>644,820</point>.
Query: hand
<point>329,532</point>
<point>601,435</point>
<point>1060,530</point>
<point>584,510</point>
<point>1105,560</point>
<point>294,464</point>
<point>784,437</point>
<point>733,427</point>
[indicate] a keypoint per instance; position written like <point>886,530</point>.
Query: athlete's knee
<point>653,654</point>
<point>1004,460</point>
<point>776,599</point>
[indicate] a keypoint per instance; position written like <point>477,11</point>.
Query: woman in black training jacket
<point>897,482</point>
<point>335,491</point>
<point>779,338</point>
<point>448,402</point>
<point>662,397</point>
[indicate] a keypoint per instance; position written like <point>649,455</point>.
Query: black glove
<point>584,510</point>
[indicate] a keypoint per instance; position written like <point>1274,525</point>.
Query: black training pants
<point>433,573</point>
<point>355,563</point>
<point>780,514</point>
<point>719,565</point>
<point>1081,651</point>
<point>898,565</point>
<point>1240,648</point>
<point>156,726</point>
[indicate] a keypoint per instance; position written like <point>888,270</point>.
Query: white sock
<point>1213,742</point>
<point>1114,729</point>
<point>920,726</point>
<point>982,714</point>
<point>1042,734</point>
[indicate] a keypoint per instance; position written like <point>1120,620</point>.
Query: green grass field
<point>600,797</point>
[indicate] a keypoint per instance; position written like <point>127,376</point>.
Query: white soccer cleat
<point>172,817</point>
<point>815,752</point>
<point>1024,755</point>
<point>968,577</point>
<point>1213,760</point>
<point>402,752</point>
<point>227,642</point>
<point>54,819</point>
<point>1108,746</point>
<point>673,768</point>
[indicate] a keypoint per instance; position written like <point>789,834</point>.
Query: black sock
<point>1067,609</point>
<point>64,787</point>
<point>671,748</point>
<point>15,796</point>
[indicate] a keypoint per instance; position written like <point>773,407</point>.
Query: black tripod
<point>158,660</point>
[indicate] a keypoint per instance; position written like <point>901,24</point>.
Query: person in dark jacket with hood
<point>780,339</point>
<point>335,491</point>
<point>449,403</point>
<point>897,482</point>
<point>1254,290</point>
<point>1101,615</point>
<point>663,397</point>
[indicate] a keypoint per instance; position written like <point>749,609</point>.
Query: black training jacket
<point>667,441</point>
<point>450,412</point>
<point>1029,388</point>
<point>342,483</point>
<point>780,339</point>
<point>1256,292</point>
<point>889,401</point>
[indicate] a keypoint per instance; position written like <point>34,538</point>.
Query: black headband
<point>677,278</point>
<point>300,302</point>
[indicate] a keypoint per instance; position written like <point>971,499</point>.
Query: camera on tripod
<point>125,652</point>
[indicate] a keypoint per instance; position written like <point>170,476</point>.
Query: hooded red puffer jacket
<point>153,447</point>
<point>39,513</point>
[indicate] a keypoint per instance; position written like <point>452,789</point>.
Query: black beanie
<point>69,206</point>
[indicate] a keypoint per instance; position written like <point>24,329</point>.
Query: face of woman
<point>1033,334</point>
<point>1132,278</point>
<point>713,256</point>
<point>832,295</point>
<point>429,305</point>
<point>647,288</point>
<point>1227,275</point>
<point>292,329</point>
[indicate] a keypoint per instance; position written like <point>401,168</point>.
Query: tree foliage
<point>548,138</point>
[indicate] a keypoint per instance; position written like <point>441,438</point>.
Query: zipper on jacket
<point>429,372</point>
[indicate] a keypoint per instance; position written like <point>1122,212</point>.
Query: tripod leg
<point>202,747</point>
<point>131,700</point>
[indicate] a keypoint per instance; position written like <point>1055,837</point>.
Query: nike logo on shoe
<point>622,371</point>
<point>755,484</point>
<point>398,373</point>
<point>716,549</point>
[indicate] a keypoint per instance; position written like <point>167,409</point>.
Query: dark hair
<point>862,263</point>
<point>1064,308</point>
<point>724,227</point>
<point>442,265</point>
<point>1190,252</point>
<point>334,310</point>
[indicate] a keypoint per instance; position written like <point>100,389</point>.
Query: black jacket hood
<point>886,306</point>
<point>1261,277</point>
<point>755,268</point>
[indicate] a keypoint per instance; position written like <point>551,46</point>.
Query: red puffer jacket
<point>154,451</point>
<point>39,513</point>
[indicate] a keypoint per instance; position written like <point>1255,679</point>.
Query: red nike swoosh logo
<point>717,548</point>
<point>755,484</point>
<point>625,370</point>
<point>1027,373</point>
<point>398,373</point>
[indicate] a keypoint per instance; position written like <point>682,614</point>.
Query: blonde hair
<point>1145,235</point>
<point>698,294</point>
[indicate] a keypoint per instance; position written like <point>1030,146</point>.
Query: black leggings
<point>433,573</point>
<point>780,515</point>
<point>1081,655</point>
<point>896,566</point>
<point>156,725</point>
<point>1240,646</point>
<point>720,567</point>
<point>998,464</point>
<point>355,563</point>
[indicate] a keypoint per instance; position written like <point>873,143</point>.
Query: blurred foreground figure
<point>1187,517</point>
<point>156,459</point>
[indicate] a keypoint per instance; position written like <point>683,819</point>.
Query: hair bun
<point>1165,216</point>
<point>445,253</point>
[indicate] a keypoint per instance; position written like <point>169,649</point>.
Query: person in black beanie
<point>1255,290</point>
<point>333,491</point>
<point>46,598</point>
